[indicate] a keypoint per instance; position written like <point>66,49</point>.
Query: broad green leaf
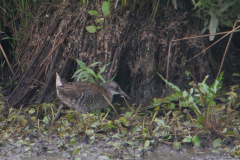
<point>127,114</point>
<point>31,111</point>
<point>89,132</point>
<point>175,113</point>
<point>187,139</point>
<point>196,141</point>
<point>105,8</point>
<point>106,13</point>
<point>183,103</point>
<point>217,142</point>
<point>116,144</point>
<point>116,136</point>
<point>91,29</point>
<point>225,5</point>
<point>160,122</point>
<point>75,151</point>
<point>131,144</point>
<point>200,120</point>
<point>146,144</point>
<point>124,121</point>
<point>184,94</point>
<point>99,27</point>
<point>93,13</point>
<point>95,124</point>
<point>177,145</point>
<point>109,126</point>
<point>213,24</point>
<point>46,120</point>
<point>230,133</point>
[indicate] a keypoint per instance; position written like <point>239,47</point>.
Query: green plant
<point>199,95</point>
<point>99,21</point>
<point>87,74</point>
<point>216,13</point>
<point>220,118</point>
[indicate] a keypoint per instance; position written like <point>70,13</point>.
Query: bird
<point>86,96</point>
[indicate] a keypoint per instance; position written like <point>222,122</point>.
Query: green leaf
<point>103,68</point>
<point>103,158</point>
<point>127,114</point>
<point>185,94</point>
<point>187,73</point>
<point>106,13</point>
<point>196,141</point>
<point>217,142</point>
<point>75,151</point>
<point>236,74</point>
<point>77,72</point>
<point>174,2</point>
<point>230,133</point>
<point>95,63</point>
<point>124,121</point>
<point>175,88</point>
<point>105,8</point>
<point>91,72</point>
<point>116,136</point>
<point>97,20</point>
<point>175,113</point>
<point>146,144</point>
<point>81,64</point>
<point>100,76</point>
<point>31,111</point>
<point>225,5</point>
<point>183,103</point>
<point>200,120</point>
<point>131,144</point>
<point>109,126</point>
<point>204,29</point>
<point>117,144</point>
<point>83,76</point>
<point>46,120</point>
<point>160,122</point>
<point>91,29</point>
<point>99,27</point>
<point>89,132</point>
<point>177,145</point>
<point>187,139</point>
<point>95,124</point>
<point>213,24</point>
<point>93,13</point>
<point>27,148</point>
<point>112,77</point>
<point>223,99</point>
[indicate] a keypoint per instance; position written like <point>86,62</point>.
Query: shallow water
<point>163,152</point>
<point>190,154</point>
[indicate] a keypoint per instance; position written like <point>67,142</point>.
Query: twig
<point>225,52</point>
<point>9,65</point>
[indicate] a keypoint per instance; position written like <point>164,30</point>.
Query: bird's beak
<point>124,94</point>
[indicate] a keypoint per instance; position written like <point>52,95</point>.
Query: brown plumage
<point>85,96</point>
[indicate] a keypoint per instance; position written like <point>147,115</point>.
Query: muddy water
<point>189,154</point>
<point>90,152</point>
